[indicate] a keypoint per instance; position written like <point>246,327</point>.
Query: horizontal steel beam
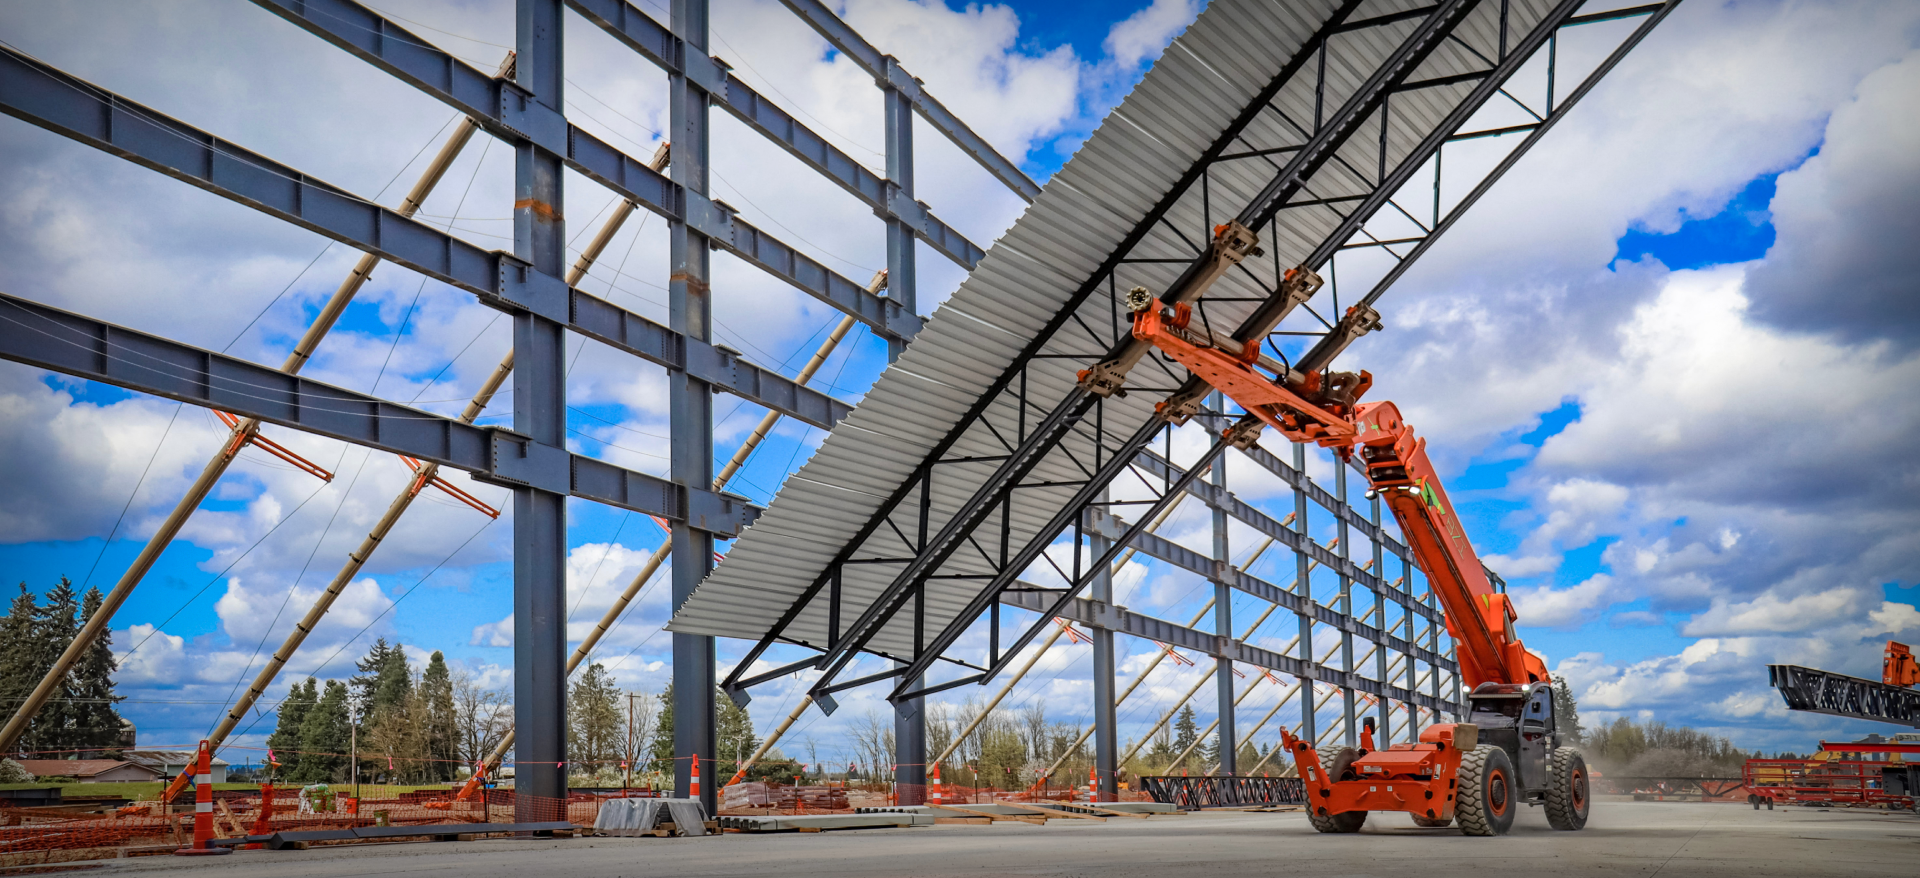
<point>1225,501</point>
<point>509,112</point>
<point>652,41</point>
<point>1096,614</point>
<point>1239,580</point>
<point>51,99</point>
<point>1156,465</point>
<point>888,73</point>
<point>83,347</point>
<point>1834,694</point>
<point>720,367</point>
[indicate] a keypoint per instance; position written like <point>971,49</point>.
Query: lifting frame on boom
<point>1508,752</point>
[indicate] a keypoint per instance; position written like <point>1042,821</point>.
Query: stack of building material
<point>745,796</point>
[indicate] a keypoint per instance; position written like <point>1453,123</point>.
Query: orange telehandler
<point>1474,773</point>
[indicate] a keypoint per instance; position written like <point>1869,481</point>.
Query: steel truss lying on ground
<point>1194,793</point>
<point>980,450</point>
<point>525,110</point>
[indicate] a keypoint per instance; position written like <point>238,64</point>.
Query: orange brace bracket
<point>421,480</point>
<point>271,447</point>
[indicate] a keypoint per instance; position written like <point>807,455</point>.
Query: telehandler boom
<point>1474,773</point>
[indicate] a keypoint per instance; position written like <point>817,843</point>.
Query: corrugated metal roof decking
<point>1083,217</point>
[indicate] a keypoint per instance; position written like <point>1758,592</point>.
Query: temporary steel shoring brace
<point>242,433</point>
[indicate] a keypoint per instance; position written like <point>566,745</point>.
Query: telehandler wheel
<point>1432,822</point>
<point>1567,790</point>
<point>1338,761</point>
<point>1488,796</point>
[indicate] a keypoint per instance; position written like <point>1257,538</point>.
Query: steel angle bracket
<point>525,288</point>
<point>515,460</point>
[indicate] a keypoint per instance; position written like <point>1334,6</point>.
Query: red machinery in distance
<point>1475,772</point>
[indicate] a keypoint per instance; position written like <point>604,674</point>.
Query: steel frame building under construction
<point>979,491</point>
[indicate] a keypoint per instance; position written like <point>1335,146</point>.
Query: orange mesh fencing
<point>56,834</point>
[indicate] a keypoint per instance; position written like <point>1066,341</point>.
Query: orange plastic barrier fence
<point>64,833</point>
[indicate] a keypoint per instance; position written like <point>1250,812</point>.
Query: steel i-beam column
<point>909,717</point>
<point>539,411</point>
<point>1223,616</point>
<point>1383,706</point>
<point>1413,682</point>
<point>1347,699</point>
<point>901,274</point>
<point>690,310</point>
<point>1303,586</point>
<point>1105,739</point>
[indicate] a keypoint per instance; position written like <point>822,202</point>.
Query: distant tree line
<point>1655,749</point>
<point>79,720</point>
<point>434,725</point>
<point>412,727</point>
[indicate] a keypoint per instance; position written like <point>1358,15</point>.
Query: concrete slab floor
<point>1623,839</point>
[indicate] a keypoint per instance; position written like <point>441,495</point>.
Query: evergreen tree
<point>383,681</point>
<point>1185,730</point>
<point>394,682</point>
<point>1162,751</point>
<point>20,668</point>
<point>442,721</point>
<point>663,754</point>
<point>594,722</point>
<point>734,740</point>
<point>285,740</point>
<point>325,736</point>
<point>1566,714</point>
<point>1247,756</point>
<point>55,625</point>
<point>98,724</point>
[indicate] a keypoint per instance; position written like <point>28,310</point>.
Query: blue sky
<point>1666,525</point>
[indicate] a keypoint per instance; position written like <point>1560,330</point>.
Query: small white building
<point>170,763</point>
<point>91,770</point>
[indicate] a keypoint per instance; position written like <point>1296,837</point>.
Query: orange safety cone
<point>936,783</point>
<point>203,807</point>
<point>693,787</point>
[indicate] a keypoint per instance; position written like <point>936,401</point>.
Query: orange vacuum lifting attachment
<point>1478,772</point>
<point>1899,668</point>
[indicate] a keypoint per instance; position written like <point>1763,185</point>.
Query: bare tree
<point>637,740</point>
<point>813,757</point>
<point>873,735</point>
<point>481,717</point>
<point>1033,722</point>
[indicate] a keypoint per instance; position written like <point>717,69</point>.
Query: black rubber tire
<point>1432,822</point>
<point>1337,760</point>
<point>1569,791</point>
<point>1489,796</point>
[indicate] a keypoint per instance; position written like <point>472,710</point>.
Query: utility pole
<point>353,748</point>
